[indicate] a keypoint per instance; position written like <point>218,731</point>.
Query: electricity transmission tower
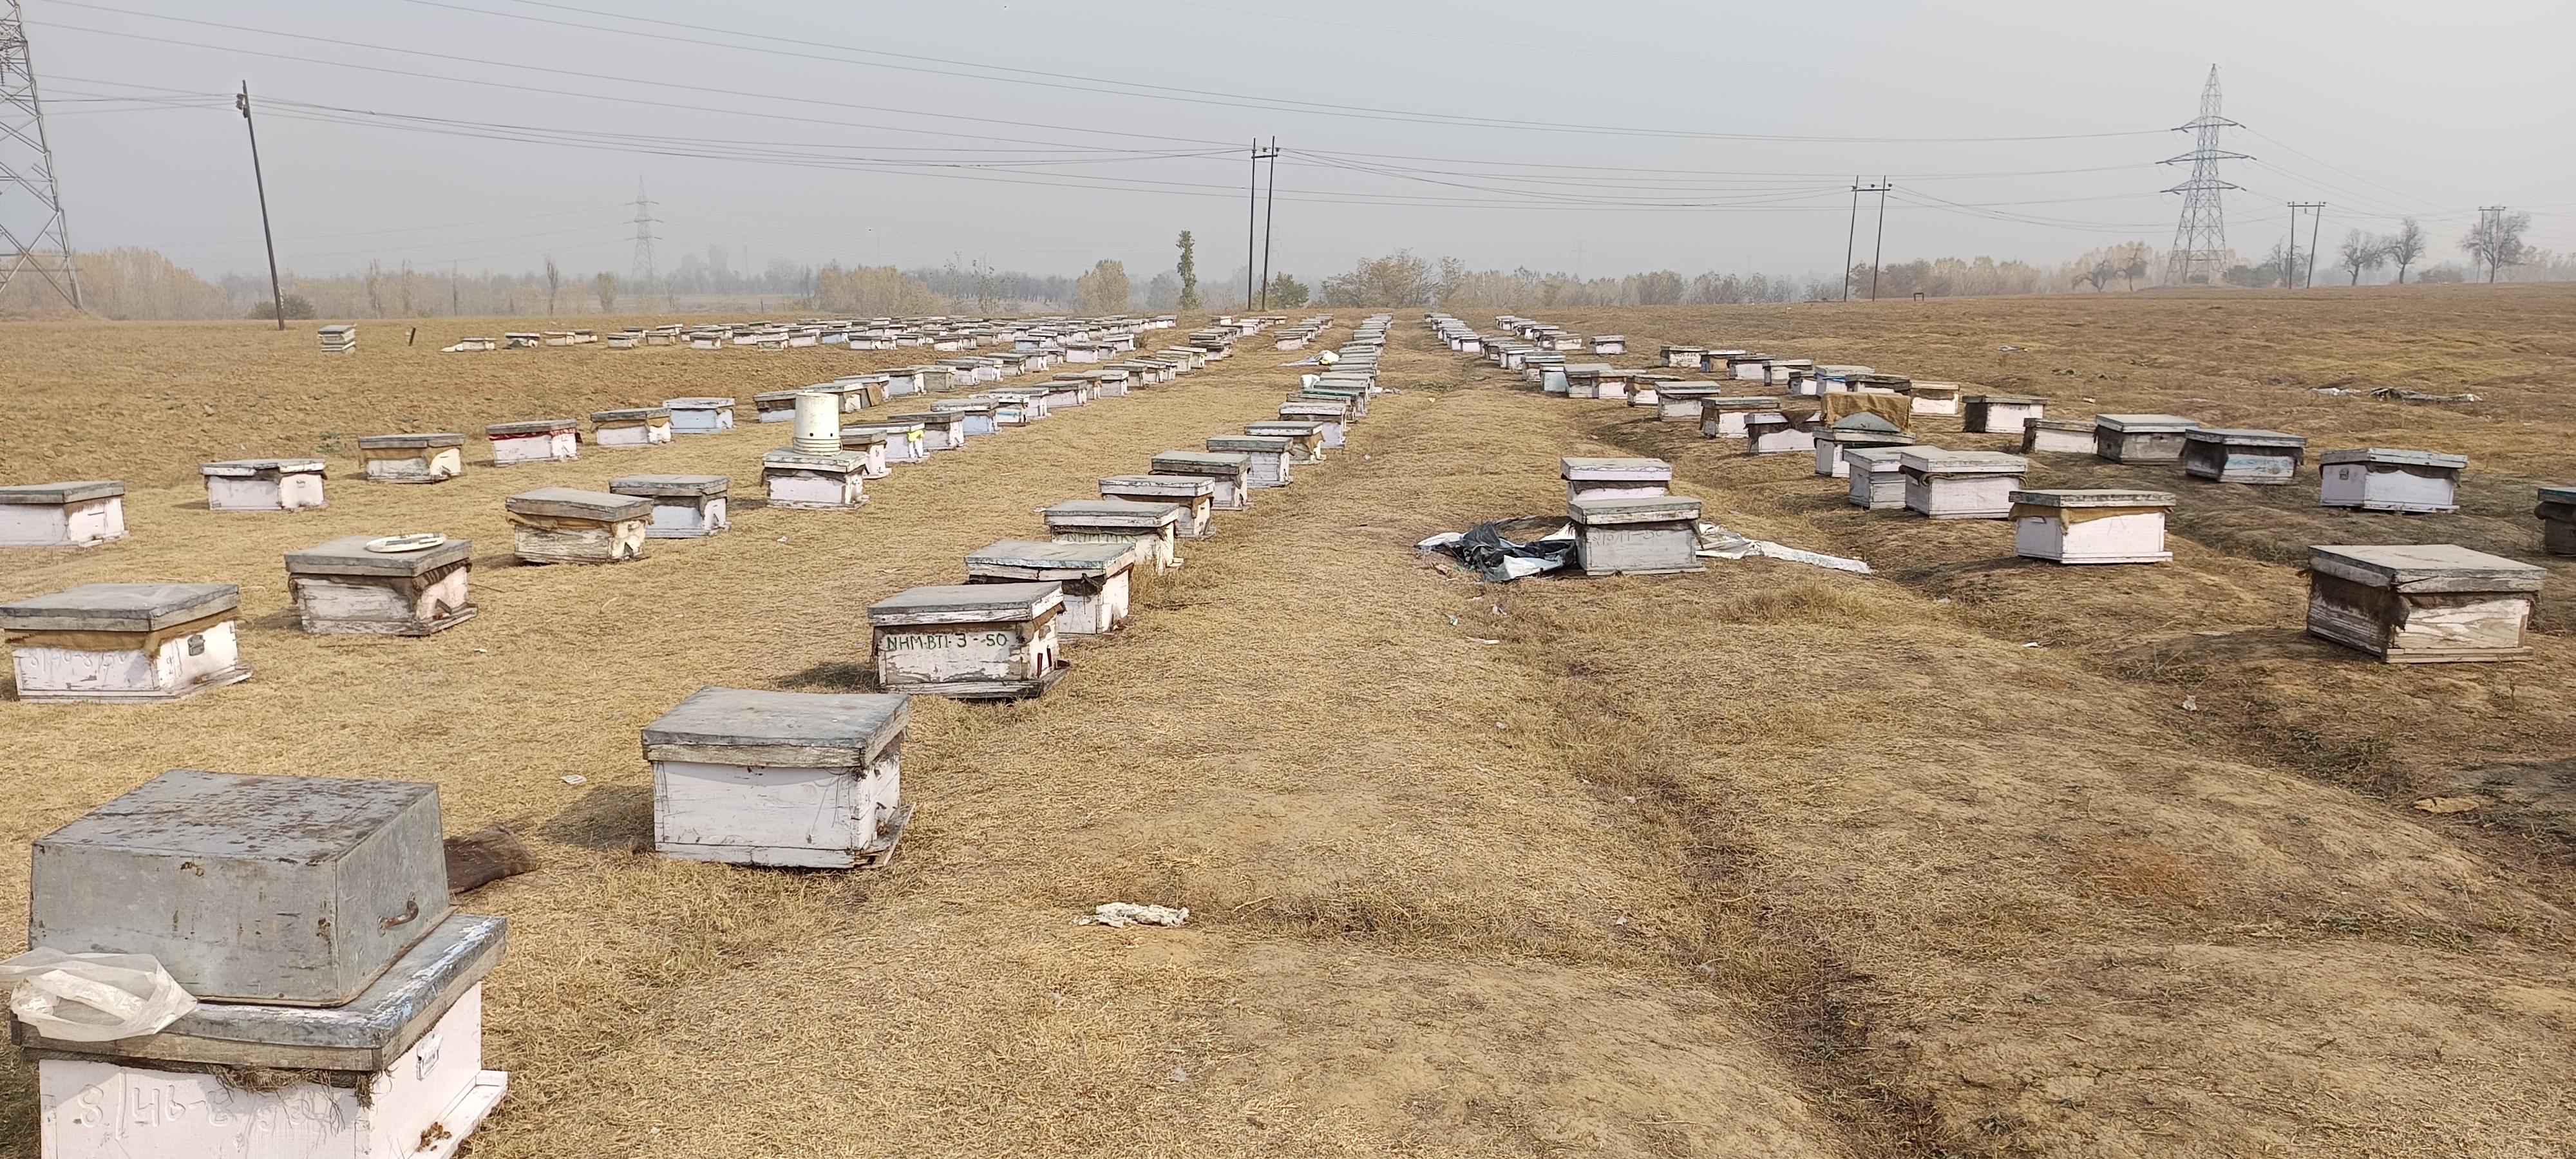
<point>2200,238</point>
<point>643,272</point>
<point>33,238</point>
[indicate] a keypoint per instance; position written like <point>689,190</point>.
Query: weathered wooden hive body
<point>264,484</point>
<point>430,458</point>
<point>1860,430</point>
<point>1999,414</point>
<point>975,416</point>
<point>539,441</point>
<point>565,525</point>
<point>75,514</point>
<point>2228,455</point>
<point>1724,418</point>
<point>1680,401</point>
<point>1614,478</point>
<point>339,587</point>
<point>1149,528</point>
<point>1268,456</point>
<point>969,641</point>
<point>1877,475</point>
<point>1230,470</point>
<point>810,482</point>
<point>889,441</point>
<point>1584,379</point>
<point>750,777</point>
<point>2141,438</point>
<point>700,416</point>
<point>1194,494</point>
<point>2091,526</point>
<point>641,426</point>
<point>2057,436</point>
<point>1332,417</point>
<point>1683,357</point>
<point>1635,535</point>
<point>940,430</point>
<point>2390,479</point>
<point>1096,577</point>
<point>1781,432</point>
<point>374,1030</point>
<point>1305,439</point>
<point>684,506</point>
<point>125,643</point>
<point>1934,398</point>
<point>2422,603</point>
<point>1961,484</point>
<point>2557,514</point>
<point>1609,344</point>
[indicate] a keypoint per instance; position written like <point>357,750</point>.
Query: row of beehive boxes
<point>1100,335</point>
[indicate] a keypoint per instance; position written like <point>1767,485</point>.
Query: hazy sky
<point>1044,135</point>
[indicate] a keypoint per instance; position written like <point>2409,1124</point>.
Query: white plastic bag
<point>93,997</point>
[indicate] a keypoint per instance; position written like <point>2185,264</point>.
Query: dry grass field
<point>1766,861</point>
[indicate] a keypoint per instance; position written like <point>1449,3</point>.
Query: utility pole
<point>2200,237</point>
<point>27,169</point>
<point>643,271</point>
<point>1267,216</point>
<point>2315,219</point>
<point>1851,233</point>
<point>276,290</point>
<point>1880,249</point>
<point>1251,222</point>
<point>2290,261</point>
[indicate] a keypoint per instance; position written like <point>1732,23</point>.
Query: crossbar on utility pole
<point>276,289</point>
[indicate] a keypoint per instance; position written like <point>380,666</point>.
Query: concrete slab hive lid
<point>632,414</point>
<point>857,435</point>
<point>1599,512</point>
<point>820,729</point>
<point>568,503</point>
<point>366,1036</point>
<point>705,403</point>
<point>967,603</point>
<point>790,395</point>
<point>1885,457</point>
<point>2425,567</point>
<point>2394,457</point>
<point>1201,463</point>
<point>246,468</point>
<point>1284,428</point>
<point>2241,437</point>
<point>1265,444</point>
<point>1092,559</point>
<point>1329,410</point>
<point>2093,498</point>
<point>1614,470</point>
<point>531,427</point>
<point>1178,486</point>
<point>409,442</point>
<point>1114,513</point>
<point>57,494</point>
<point>1939,462</point>
<point>1754,403</point>
<point>2145,424</point>
<point>670,485</point>
<point>936,418</point>
<point>2006,399</point>
<point>844,461</point>
<point>228,877</point>
<point>119,607</point>
<point>2558,494</point>
<point>348,555</point>
<point>2078,425</point>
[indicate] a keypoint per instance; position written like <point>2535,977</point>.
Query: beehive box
<point>275,890</point>
<point>641,426</point>
<point>1683,357</point>
<point>940,430</point>
<point>1231,471</point>
<point>1961,484</point>
<point>339,587</point>
<point>125,643</point>
<point>541,441</point>
<point>432,458</point>
<point>1305,440</point>
<point>2141,438</point>
<point>2390,479</point>
<point>1877,476</point>
<point>1583,379</point>
<point>1095,577</point>
<point>969,641</point>
<point>565,525</point>
<point>750,777</point>
<point>2557,515</point>
<point>1780,432</point>
<point>684,506</point>
<point>1863,430</point>
<point>1268,457</point>
<point>1332,417</point>
<point>1723,418</point>
<point>1680,401</point>
<point>2422,603</point>
<point>1934,398</point>
<point>1609,344</point>
<point>1194,494</point>
<point>62,514</point>
<point>264,484</point>
<point>778,406</point>
<point>699,416</point>
<point>891,440</point>
<point>2095,526</point>
<point>2057,436</point>
<point>1999,414</point>
<point>1635,535</point>
<point>1614,478</point>
<point>815,482</point>
<point>976,416</point>
<point>1150,528</point>
<point>396,1071</point>
<point>2228,455</point>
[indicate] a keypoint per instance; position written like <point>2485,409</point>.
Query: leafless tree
<point>2100,274</point>
<point>2497,240</point>
<point>2360,252</point>
<point>2405,246</point>
<point>554,283</point>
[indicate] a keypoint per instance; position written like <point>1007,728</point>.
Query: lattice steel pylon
<point>643,272</point>
<point>33,237</point>
<point>2200,238</point>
